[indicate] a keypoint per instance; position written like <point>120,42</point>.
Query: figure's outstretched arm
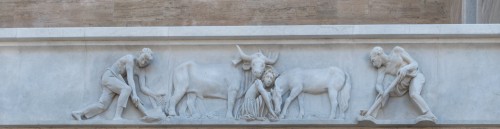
<point>142,84</point>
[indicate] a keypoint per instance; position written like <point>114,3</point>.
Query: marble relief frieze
<point>327,75</point>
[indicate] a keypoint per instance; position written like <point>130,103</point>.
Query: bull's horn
<point>272,61</point>
<point>243,56</point>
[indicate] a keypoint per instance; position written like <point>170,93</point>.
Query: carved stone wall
<point>48,73</point>
<point>105,13</point>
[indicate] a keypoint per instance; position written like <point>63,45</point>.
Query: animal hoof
<point>172,114</point>
<point>150,119</point>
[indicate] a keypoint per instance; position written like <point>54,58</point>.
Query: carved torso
<point>394,63</point>
<point>119,67</point>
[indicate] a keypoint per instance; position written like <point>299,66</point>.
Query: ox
<point>298,81</point>
<point>214,80</point>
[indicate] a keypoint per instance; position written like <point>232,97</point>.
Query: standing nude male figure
<point>408,78</point>
<point>113,83</point>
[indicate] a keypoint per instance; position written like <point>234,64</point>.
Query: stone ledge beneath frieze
<point>51,77</point>
<point>242,123</point>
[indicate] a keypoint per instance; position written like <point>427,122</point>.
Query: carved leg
<point>191,99</point>
<point>301,106</point>
<point>118,113</point>
<point>122,102</point>
<point>332,93</point>
<point>118,86</point>
<point>415,88</point>
<point>96,108</point>
<point>293,94</point>
<point>178,94</point>
<point>231,98</point>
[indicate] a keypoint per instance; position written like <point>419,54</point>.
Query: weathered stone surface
<point>45,80</point>
<point>84,13</point>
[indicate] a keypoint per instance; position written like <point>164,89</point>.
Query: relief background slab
<point>43,81</point>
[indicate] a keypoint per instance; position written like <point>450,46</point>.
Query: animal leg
<point>293,94</point>
<point>332,93</point>
<point>231,98</point>
<point>191,99</point>
<point>178,94</point>
<point>301,105</point>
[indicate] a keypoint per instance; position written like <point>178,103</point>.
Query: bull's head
<point>258,62</point>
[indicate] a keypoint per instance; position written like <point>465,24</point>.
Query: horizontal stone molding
<point>413,31</point>
<point>236,123</point>
<point>49,75</point>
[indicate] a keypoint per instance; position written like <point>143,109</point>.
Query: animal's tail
<point>345,94</point>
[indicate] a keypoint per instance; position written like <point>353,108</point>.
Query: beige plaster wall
<point>83,13</point>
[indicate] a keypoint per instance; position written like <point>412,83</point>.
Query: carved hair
<point>148,53</point>
<point>376,51</point>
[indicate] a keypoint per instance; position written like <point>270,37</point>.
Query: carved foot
<point>282,116</point>
<point>331,117</point>
<point>342,116</point>
<point>427,118</point>
<point>366,120</point>
<point>77,115</point>
<point>261,118</point>
<point>150,119</point>
<point>171,113</point>
<point>118,119</point>
<point>248,117</point>
<point>273,118</point>
<point>301,116</point>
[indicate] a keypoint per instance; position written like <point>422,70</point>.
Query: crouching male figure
<point>113,83</point>
<point>408,78</point>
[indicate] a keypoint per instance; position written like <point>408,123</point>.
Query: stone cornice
<point>412,31</point>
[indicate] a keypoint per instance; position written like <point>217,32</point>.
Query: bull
<point>214,80</point>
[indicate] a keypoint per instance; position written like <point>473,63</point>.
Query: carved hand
<point>136,100</point>
<point>403,71</point>
<point>379,89</point>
